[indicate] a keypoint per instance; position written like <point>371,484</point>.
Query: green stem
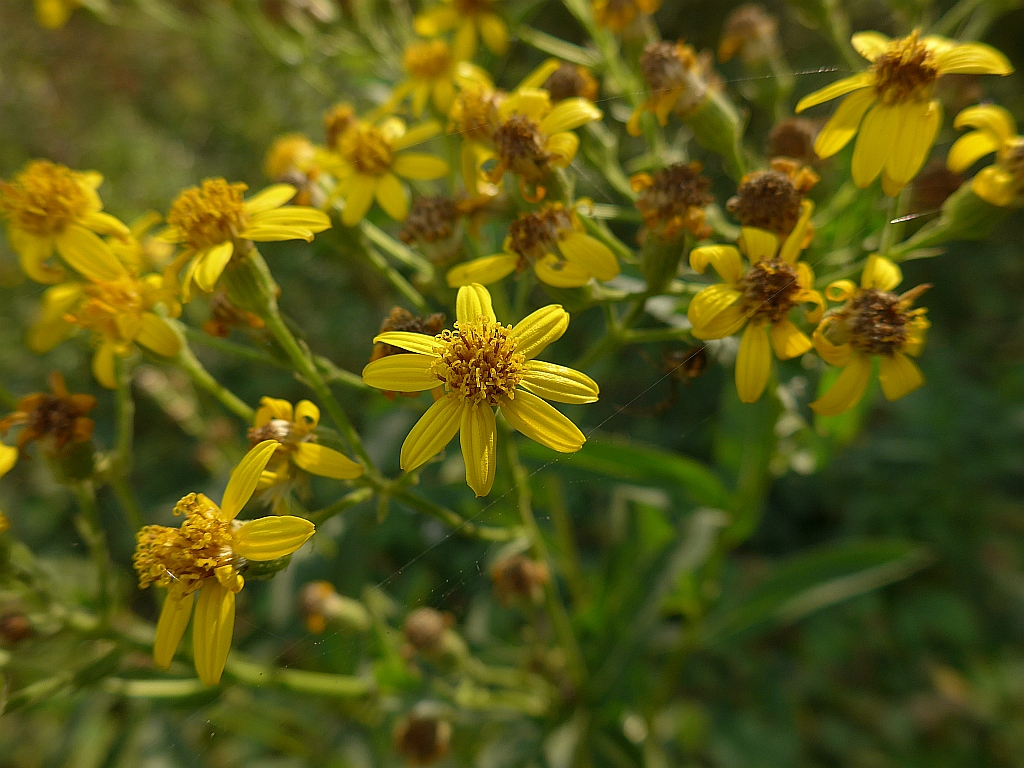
<point>552,599</point>
<point>570,555</point>
<point>124,416</point>
<point>954,17</point>
<point>398,251</point>
<point>88,524</point>
<point>347,501</point>
<point>454,519</point>
<point>393,276</point>
<point>315,683</point>
<point>188,362</point>
<point>122,490</point>
<point>893,229</point>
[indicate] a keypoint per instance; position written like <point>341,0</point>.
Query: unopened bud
<point>519,578</point>
<point>322,606</point>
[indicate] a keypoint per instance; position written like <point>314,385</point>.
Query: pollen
<point>209,215</point>
<point>44,198</point>
<point>905,71</point>
<point>769,290</point>
<point>674,199</point>
<point>181,558</point>
<point>480,362</point>
<point>366,148</point>
<point>427,60</point>
<point>520,146</point>
<point>771,199</point>
<point>276,429</point>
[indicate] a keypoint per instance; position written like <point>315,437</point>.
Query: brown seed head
<point>769,290</point>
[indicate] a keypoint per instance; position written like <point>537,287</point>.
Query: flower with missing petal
<point>468,18</point>
<point>208,554</point>
<point>482,365</point>
<point>553,242</point>
<point>616,15</point>
<point>890,106</point>
<point>119,314</point>
<point>995,130</point>
<point>214,224</point>
<point>759,297</point>
<point>873,323</point>
<point>54,418</point>
<point>51,207</point>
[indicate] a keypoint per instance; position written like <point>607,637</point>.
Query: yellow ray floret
<point>470,19</point>
<point>483,365</point>
<point>890,106</point>
<point>208,554</point>
<point>995,131</point>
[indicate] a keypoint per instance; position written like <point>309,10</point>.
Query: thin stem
<point>122,490</point>
<point>88,524</point>
<point>393,276</point>
<point>565,537</point>
<point>188,362</point>
<point>347,501</point>
<point>454,519</point>
<point>124,416</point>
<point>233,348</point>
<point>315,683</point>
<point>398,251</point>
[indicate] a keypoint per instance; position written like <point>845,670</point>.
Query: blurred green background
<point>925,672</point>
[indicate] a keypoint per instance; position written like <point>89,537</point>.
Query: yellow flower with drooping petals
<point>1001,183</point>
<point>759,297</point>
<point>468,18</point>
<point>298,450</point>
<point>208,554</point>
<point>119,314</point>
<point>51,207</point>
<point>890,106</point>
<point>553,242</point>
<point>482,365</point>
<point>616,15</point>
<point>215,224</point>
<point>369,160</point>
<point>873,323</point>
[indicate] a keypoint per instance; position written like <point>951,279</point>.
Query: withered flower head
<point>422,739</point>
<point>430,219</point>
<point>404,320</point>
<point>794,137</point>
<point>674,199</point>
<point>771,199</point>
<point>52,419</point>
<point>517,577</point>
<point>752,32</point>
<point>224,316</point>
<point>571,80</point>
<point>425,628</point>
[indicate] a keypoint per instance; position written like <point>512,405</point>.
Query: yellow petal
<point>156,335</point>
<point>32,255</point>
<point>533,103</point>
<point>898,375</point>
<point>170,627</point>
<point>358,199</point>
<point>307,415</point>
<point>479,441</point>
<point>560,273</point>
<point>272,408</point>
<point>838,88</point>
<point>753,363</point>
<point>473,302</point>
<point>485,270</point>
<point>724,258</point>
<point>271,537</point>
<point>104,224</point>
<point>540,75</point>
<point>245,477</point>
<point>273,233</point>
<point>757,244</point>
<point>464,44</point>
<point>870,44</point>
<point>419,343</point>
<point>589,254</point>
<point>880,273</point>
<point>843,125</point>
<point>393,197</point>
<point>324,462</point>
<point>46,334</point>
<point>990,118</point>
<point>541,422</point>
<point>563,148</point>
<point>443,95</point>
<point>727,322</point>
<point>875,142</point>
<point>432,432</point>
<point>995,185</point>
<point>495,33</point>
<point>292,216</point>
<point>88,255</point>
<point>833,354</point>
<point>788,341</point>
<point>559,383</point>
<point>211,265</point>
<point>270,198</point>
<point>211,632</point>
<point>913,142</point>
<point>570,114</point>
<point>538,329</point>
<point>401,373</point>
<point>416,135</point>
<point>419,165</point>
<point>794,243</point>
<point>709,303</point>
<point>848,388</point>
<point>103,364</point>
<point>972,59</point>
<point>970,148</point>
<point>436,21</point>
<point>8,458</point>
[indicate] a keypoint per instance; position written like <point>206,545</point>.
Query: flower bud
<point>322,605</point>
<point>422,739</point>
<point>517,577</point>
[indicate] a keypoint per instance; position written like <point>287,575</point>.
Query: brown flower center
<point>430,219</point>
<point>404,320</point>
<point>209,215</point>
<point>877,322</point>
<point>480,362</point>
<point>520,146</point>
<point>337,120</point>
<point>793,137</point>
<point>674,198</point>
<point>472,7</point>
<point>569,81</point>
<point>769,290</point>
<point>427,60</point>
<point>666,65</point>
<point>767,200</point>
<point>534,234</point>
<point>474,113</point>
<point>44,198</point>
<point>366,148</point>
<point>905,71</point>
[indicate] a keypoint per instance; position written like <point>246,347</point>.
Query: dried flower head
<point>678,80</point>
<point>431,219</point>
<point>772,199</point>
<point>224,316</point>
<point>673,200</point>
<point>424,628</point>
<point>751,32</point>
<point>794,138</point>
<point>571,81</point>
<point>422,739</point>
<point>53,418</point>
<point>518,577</point>
<point>618,15</point>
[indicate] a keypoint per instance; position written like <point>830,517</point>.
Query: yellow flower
<point>119,313</point>
<point>49,206</point>
<point>532,136</point>
<point>481,364</point>
<point>141,251</point>
<point>995,131</point>
<point>759,297</point>
<point>467,18</point>
<point>53,14</point>
<point>873,322</point>
<point>214,224</point>
<point>432,71</point>
<point>370,160</point>
<point>678,80</point>
<point>297,450</point>
<point>208,554</point>
<point>890,107</point>
<point>616,15</point>
<point>552,241</point>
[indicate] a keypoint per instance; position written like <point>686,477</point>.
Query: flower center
<point>569,81</point>
<point>766,200</point>
<point>44,198</point>
<point>181,558</point>
<point>474,113</point>
<point>56,417</point>
<point>209,215</point>
<point>430,219</point>
<point>769,290</point>
<point>905,71</point>
<point>111,309</point>
<point>675,197</point>
<point>337,120</point>
<point>427,60</point>
<point>877,322</point>
<point>535,234</point>
<point>480,362</point>
<point>472,7</point>
<point>520,145</point>
<point>794,138</point>
<point>366,147</point>
<point>275,429</point>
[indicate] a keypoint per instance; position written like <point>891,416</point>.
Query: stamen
<point>366,148</point>
<point>44,198</point>
<point>209,215</point>
<point>480,362</point>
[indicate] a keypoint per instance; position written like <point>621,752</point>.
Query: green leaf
<point>644,465</point>
<point>813,580</point>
